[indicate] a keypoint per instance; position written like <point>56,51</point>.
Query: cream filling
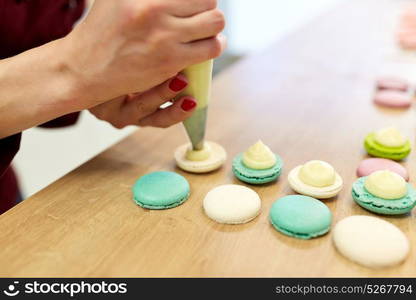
<point>198,155</point>
<point>318,192</point>
<point>317,173</point>
<point>199,82</point>
<point>389,137</point>
<point>386,184</point>
<point>259,157</point>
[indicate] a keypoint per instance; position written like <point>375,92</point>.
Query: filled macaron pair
<point>393,92</point>
<point>303,216</point>
<point>387,143</point>
<point>384,192</point>
<point>161,190</point>
<point>257,165</point>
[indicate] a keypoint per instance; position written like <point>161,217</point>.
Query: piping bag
<point>199,86</point>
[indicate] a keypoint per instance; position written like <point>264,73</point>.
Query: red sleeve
<point>25,24</point>
<point>8,181</point>
<point>8,149</point>
<point>63,121</point>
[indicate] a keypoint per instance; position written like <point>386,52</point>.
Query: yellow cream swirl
<point>317,173</point>
<point>386,184</point>
<point>198,155</point>
<point>259,157</point>
<point>389,137</point>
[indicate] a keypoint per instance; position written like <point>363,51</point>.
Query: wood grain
<point>307,97</point>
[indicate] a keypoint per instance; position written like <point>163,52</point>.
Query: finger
<point>179,111</point>
<point>108,110</point>
<point>201,26</point>
<point>148,102</point>
<point>205,49</point>
<point>188,8</point>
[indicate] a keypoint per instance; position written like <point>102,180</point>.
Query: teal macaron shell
<point>300,216</point>
<point>161,190</point>
<point>383,206</point>
<point>253,176</point>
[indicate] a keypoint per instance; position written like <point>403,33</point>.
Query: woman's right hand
<point>130,46</point>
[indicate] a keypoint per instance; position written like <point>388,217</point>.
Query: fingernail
<point>178,83</point>
<point>188,104</point>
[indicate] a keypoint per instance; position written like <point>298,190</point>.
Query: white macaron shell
<point>232,204</point>
<point>370,241</point>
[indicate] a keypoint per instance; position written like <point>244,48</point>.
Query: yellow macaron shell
<point>259,157</point>
<point>198,155</point>
<point>317,173</point>
<point>386,184</point>
<point>389,137</point>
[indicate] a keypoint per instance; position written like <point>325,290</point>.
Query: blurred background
<point>48,154</point>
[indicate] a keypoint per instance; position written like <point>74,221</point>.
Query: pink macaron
<point>370,165</point>
<point>394,99</point>
<point>392,83</point>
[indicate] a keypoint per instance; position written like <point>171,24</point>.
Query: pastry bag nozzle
<point>199,86</point>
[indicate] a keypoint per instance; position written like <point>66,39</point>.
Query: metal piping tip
<point>195,128</point>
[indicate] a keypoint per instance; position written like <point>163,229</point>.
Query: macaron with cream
<point>257,165</point>
<point>387,143</point>
<point>208,159</point>
<point>317,179</point>
<point>384,192</point>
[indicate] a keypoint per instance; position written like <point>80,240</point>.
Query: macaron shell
<point>300,216</point>
<point>321,193</point>
<point>383,206</point>
<point>214,162</point>
<point>370,165</point>
<point>393,99</point>
<point>161,190</point>
<point>392,83</point>
<point>370,241</point>
<point>375,149</point>
<point>253,176</point>
<point>232,204</point>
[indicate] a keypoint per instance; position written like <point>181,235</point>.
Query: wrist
<point>68,86</point>
<point>35,87</point>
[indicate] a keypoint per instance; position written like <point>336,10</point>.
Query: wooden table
<point>308,97</point>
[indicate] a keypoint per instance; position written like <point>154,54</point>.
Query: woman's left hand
<point>143,109</point>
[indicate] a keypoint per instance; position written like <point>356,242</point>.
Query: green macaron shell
<point>375,149</point>
<point>383,206</point>
<point>254,176</point>
<point>161,190</point>
<point>300,216</point>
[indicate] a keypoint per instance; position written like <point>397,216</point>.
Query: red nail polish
<point>188,104</point>
<point>178,84</point>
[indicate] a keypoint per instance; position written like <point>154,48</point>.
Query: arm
<point>35,87</point>
<point>122,47</point>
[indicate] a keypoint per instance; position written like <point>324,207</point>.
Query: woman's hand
<point>130,46</point>
<point>122,47</point>
<point>143,108</point>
